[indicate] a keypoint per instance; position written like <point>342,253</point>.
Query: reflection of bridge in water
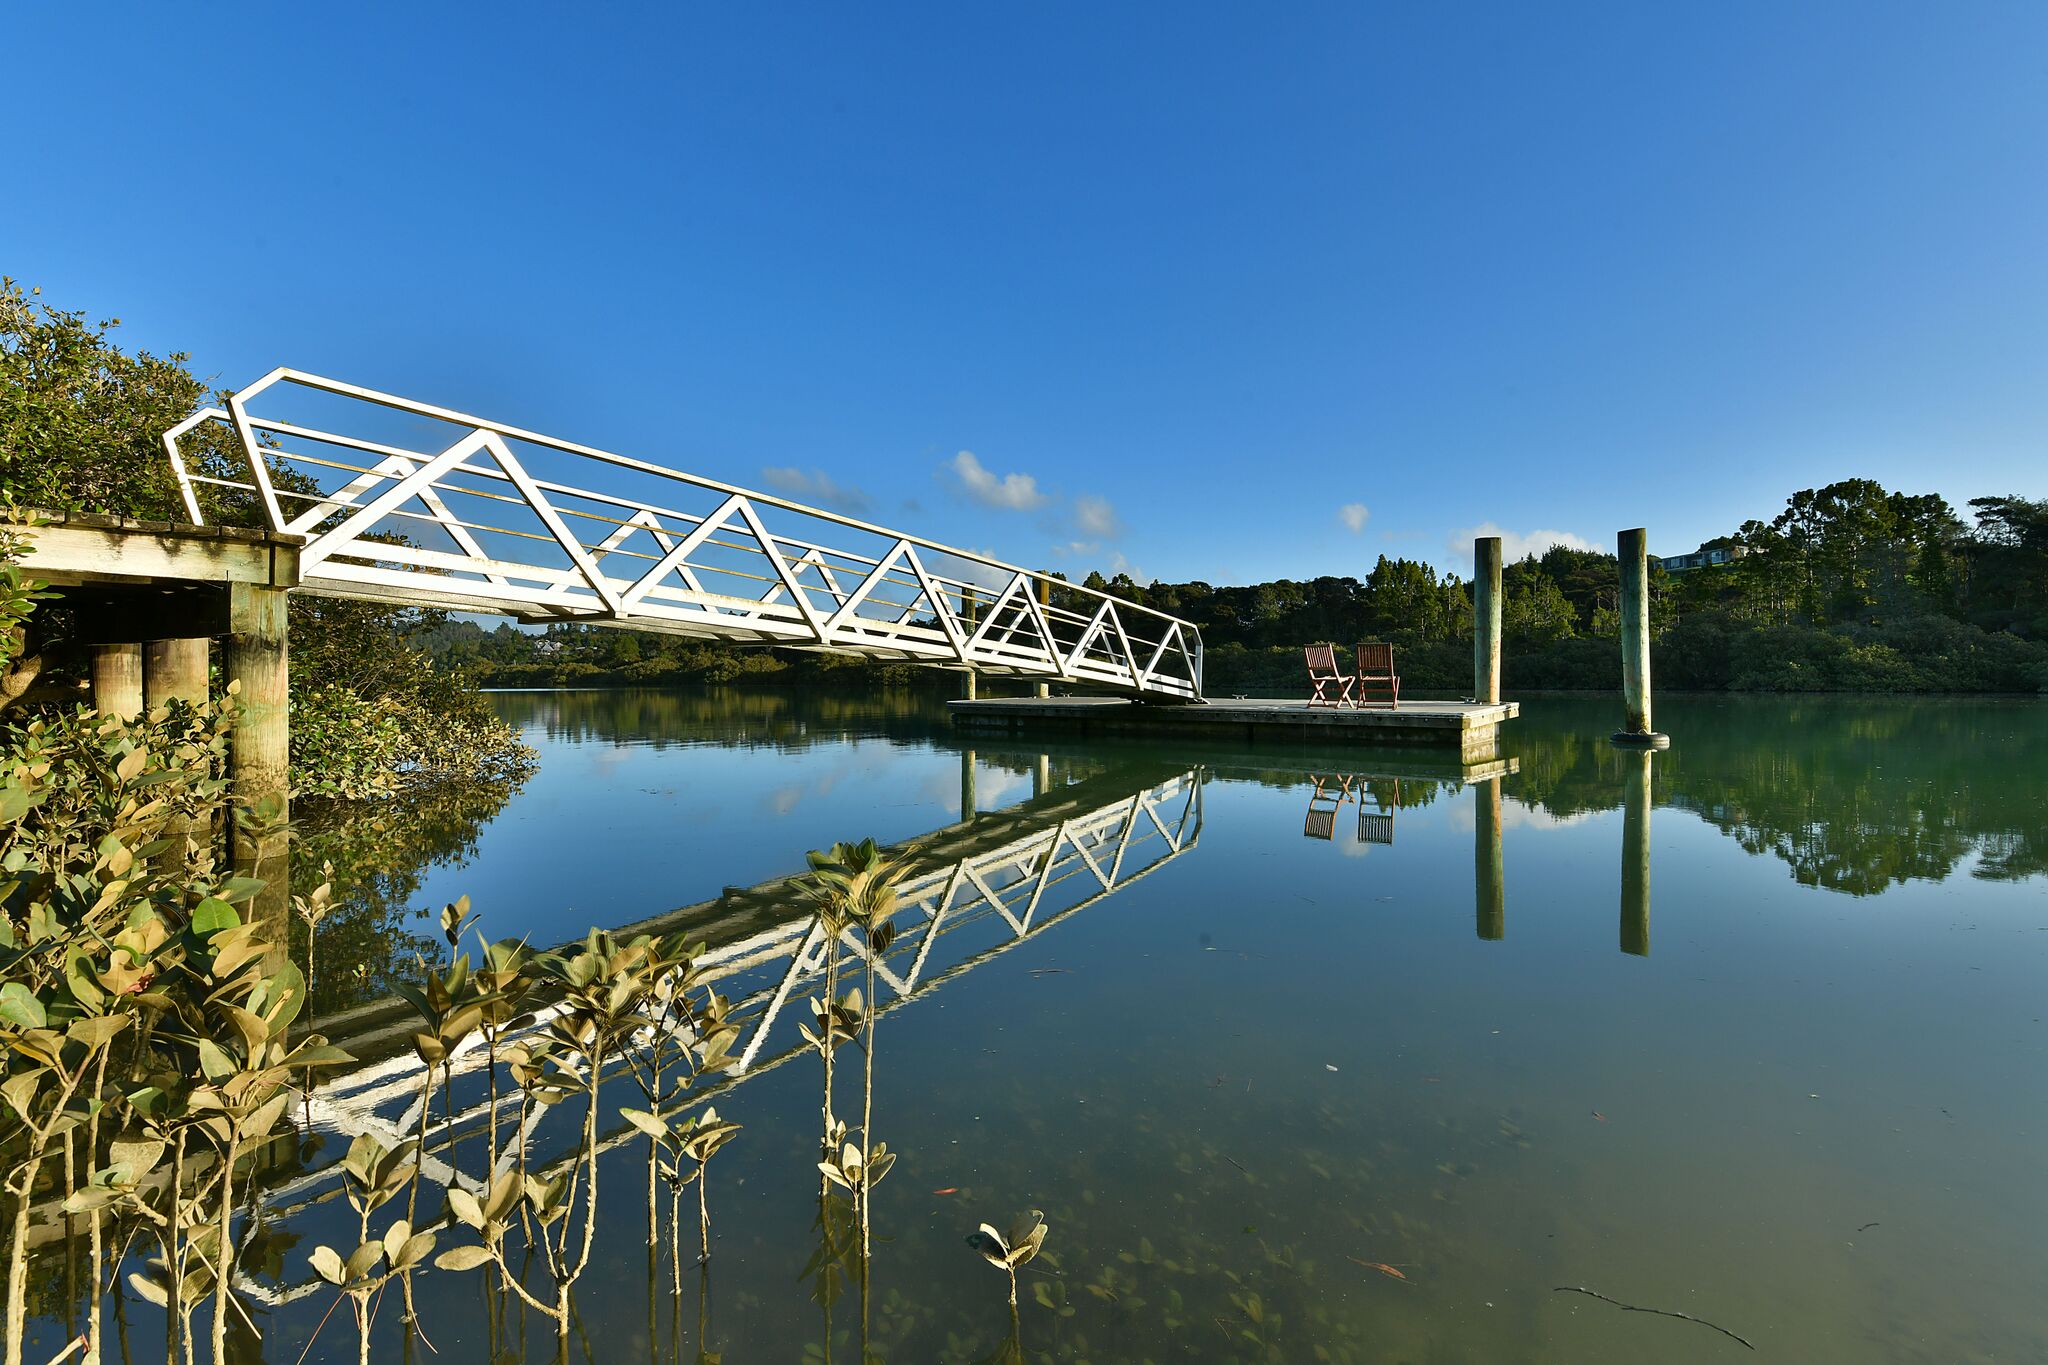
<point>974,890</point>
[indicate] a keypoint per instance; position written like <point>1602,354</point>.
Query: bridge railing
<point>402,501</point>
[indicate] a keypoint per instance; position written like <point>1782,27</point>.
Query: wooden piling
<point>1486,619</point>
<point>117,680</point>
<point>1635,854</point>
<point>1489,895</point>
<point>1045,600</point>
<point>259,751</point>
<point>966,785</point>
<point>174,669</point>
<point>1632,549</point>
<point>969,611</point>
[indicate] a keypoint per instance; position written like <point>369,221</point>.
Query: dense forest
<point>1849,588</point>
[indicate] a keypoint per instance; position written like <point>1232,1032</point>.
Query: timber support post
<point>117,680</point>
<point>1489,896</point>
<point>1045,600</point>
<point>966,785</point>
<point>259,751</point>
<point>174,669</point>
<point>1632,547</point>
<point>1486,620</point>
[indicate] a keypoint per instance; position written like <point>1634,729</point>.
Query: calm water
<point>1754,1036</point>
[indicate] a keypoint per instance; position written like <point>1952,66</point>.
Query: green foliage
<point>82,422</point>
<point>139,1006</point>
<point>371,714</point>
<point>1849,588</point>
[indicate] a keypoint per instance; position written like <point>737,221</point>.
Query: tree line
<point>1850,588</point>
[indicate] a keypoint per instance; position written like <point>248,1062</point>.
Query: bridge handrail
<point>248,426</point>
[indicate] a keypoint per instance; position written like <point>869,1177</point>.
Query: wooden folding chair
<point>1323,675</point>
<point>1323,805</point>
<point>1376,680</point>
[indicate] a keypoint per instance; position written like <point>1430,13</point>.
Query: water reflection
<point>1635,852</point>
<point>1489,890</point>
<point>1854,795</point>
<point>1329,794</point>
<point>1268,1064</point>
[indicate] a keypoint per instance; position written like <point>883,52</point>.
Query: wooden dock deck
<point>1471,729</point>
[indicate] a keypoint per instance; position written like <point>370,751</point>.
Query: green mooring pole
<point>1486,620</point>
<point>1636,730</point>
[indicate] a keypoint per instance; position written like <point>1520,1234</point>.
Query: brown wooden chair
<point>1323,675</point>
<point>1376,680</point>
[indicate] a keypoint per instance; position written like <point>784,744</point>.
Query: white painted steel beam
<point>435,527</point>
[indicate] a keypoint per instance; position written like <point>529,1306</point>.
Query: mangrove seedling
<point>1006,1254</point>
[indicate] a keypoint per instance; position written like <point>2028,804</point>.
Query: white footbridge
<point>403,502</point>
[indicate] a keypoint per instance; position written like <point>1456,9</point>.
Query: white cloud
<point>1094,516</point>
<point>1353,515</point>
<point>817,486</point>
<point>1017,492</point>
<point>1514,546</point>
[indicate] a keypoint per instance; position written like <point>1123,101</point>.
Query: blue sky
<point>1229,292</point>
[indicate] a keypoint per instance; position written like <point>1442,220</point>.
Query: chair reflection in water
<point>1328,795</point>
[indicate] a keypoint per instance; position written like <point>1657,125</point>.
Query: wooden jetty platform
<point>1471,729</point>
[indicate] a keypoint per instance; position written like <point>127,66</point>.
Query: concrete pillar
<point>1637,729</point>
<point>1045,600</point>
<point>1486,619</point>
<point>966,785</point>
<point>174,668</point>
<point>259,750</point>
<point>117,680</point>
<point>1489,896</point>
<point>1635,854</point>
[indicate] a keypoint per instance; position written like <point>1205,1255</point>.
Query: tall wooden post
<point>259,751</point>
<point>966,785</point>
<point>1486,619</point>
<point>968,605</point>
<point>1045,600</point>
<point>1635,854</point>
<point>1632,548</point>
<point>174,669</point>
<point>117,680</point>
<point>1489,896</point>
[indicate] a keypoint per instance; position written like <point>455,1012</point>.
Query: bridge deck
<point>406,502</point>
<point>1472,729</point>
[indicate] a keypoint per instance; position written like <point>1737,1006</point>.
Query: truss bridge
<point>403,502</point>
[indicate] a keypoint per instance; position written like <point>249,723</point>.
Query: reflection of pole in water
<point>1041,775</point>
<point>1489,895</point>
<point>1635,854</point>
<point>966,785</point>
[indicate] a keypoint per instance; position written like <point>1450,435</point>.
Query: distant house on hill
<point>1707,556</point>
